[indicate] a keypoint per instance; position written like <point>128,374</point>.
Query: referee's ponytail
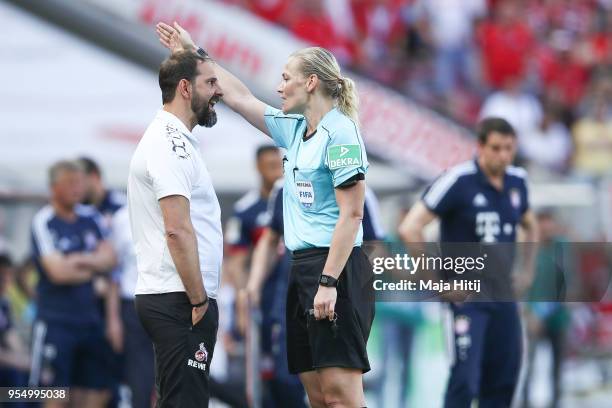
<point>320,62</point>
<point>347,98</point>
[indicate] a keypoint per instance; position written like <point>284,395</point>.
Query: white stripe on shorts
<point>449,322</point>
<point>39,332</point>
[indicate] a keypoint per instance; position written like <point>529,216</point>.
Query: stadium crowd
<point>545,65</point>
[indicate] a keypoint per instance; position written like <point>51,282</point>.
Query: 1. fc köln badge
<point>201,354</point>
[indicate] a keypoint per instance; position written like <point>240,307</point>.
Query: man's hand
<point>325,303</point>
<point>174,38</point>
<point>247,299</point>
<point>197,313</point>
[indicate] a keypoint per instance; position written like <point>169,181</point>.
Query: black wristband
<point>200,51</point>
<point>201,303</point>
<point>328,281</point>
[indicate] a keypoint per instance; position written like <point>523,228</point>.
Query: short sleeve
<point>236,232</point>
<point>102,228</point>
<point>43,243</point>
<point>172,169</point>
<point>283,128</point>
<point>345,156</point>
<point>442,195</point>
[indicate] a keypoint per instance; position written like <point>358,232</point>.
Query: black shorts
<point>311,343</point>
<point>77,355</point>
<point>183,352</point>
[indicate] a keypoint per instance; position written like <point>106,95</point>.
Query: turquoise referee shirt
<point>313,168</point>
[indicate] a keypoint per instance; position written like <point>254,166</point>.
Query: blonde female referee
<point>330,301</point>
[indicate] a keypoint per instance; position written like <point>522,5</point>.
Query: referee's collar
<point>328,118</point>
<point>170,117</point>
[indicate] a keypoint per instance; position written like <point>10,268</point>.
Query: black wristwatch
<point>201,303</point>
<point>328,281</point>
<point>202,53</point>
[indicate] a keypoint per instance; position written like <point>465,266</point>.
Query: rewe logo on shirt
<point>343,156</point>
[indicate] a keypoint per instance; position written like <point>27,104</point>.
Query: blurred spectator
<point>398,322</point>
<point>312,24</point>
<point>563,71</point>
<point>68,247</point>
<point>506,41</point>
<point>106,201</point>
<point>554,262</point>
<point>341,13</point>
<point>271,258</point>
<point>451,33</point>
<point>600,41</point>
<point>243,231</point>
<point>593,133</point>
<point>14,358</point>
<point>380,35</point>
<point>245,226</point>
<point>549,146</point>
<point>518,107</point>
<point>329,24</point>
<point>547,319</point>
<point>227,375</point>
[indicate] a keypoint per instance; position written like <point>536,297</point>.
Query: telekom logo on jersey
<point>487,226</point>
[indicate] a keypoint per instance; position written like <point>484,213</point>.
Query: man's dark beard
<point>206,117</point>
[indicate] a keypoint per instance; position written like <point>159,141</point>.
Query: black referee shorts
<point>183,352</point>
<point>313,344</point>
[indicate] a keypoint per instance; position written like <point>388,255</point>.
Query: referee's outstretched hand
<point>174,38</point>
<point>325,303</point>
<point>197,313</point>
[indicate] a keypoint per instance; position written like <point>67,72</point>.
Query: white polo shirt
<point>167,161</point>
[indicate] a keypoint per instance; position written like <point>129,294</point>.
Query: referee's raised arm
<point>236,95</point>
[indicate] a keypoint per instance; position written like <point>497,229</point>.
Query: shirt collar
<point>481,176</point>
<point>175,121</point>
